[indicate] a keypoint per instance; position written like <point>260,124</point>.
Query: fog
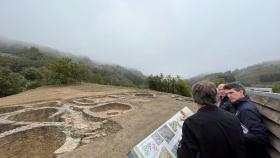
<point>179,37</point>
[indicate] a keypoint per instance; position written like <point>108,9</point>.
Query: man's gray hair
<point>204,93</point>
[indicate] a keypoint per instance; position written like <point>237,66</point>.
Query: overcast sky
<point>178,37</point>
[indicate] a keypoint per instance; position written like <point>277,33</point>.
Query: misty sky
<point>184,37</point>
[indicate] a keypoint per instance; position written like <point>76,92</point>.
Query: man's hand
<point>184,115</point>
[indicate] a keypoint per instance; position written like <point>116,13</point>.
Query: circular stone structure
<point>144,95</point>
<point>84,101</point>
<point>111,109</point>
<point>7,127</point>
<point>39,142</point>
<point>38,115</point>
<point>9,109</point>
<point>94,100</point>
<point>47,104</point>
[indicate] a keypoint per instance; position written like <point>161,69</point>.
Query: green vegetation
<point>270,77</point>
<point>10,82</point>
<point>217,78</point>
<point>32,73</point>
<point>169,84</point>
<point>276,88</point>
<point>64,71</point>
<point>24,68</point>
<point>260,75</point>
<point>218,81</point>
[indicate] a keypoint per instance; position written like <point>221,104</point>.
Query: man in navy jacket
<point>255,132</point>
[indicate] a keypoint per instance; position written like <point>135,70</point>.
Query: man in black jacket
<point>211,132</point>
<point>224,102</point>
<point>256,137</point>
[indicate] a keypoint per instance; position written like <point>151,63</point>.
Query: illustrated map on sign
<point>163,142</point>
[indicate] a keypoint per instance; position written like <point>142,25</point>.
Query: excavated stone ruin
<point>47,104</point>
<point>111,109</point>
<point>38,115</point>
<point>8,109</point>
<point>32,143</point>
<point>7,127</point>
<point>144,95</point>
<point>94,100</point>
<point>50,128</point>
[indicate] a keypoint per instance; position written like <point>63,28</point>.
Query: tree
<point>96,78</point>
<point>218,81</point>
<point>32,74</point>
<point>229,76</point>
<point>169,84</point>
<point>183,88</point>
<point>64,71</point>
<point>33,53</point>
<point>270,77</point>
<point>10,82</point>
<point>155,82</point>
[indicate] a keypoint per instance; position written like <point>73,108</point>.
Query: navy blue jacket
<point>256,140</point>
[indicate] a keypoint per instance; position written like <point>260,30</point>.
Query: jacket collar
<point>224,98</point>
<point>237,103</point>
<point>208,108</point>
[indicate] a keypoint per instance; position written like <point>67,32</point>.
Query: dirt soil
<point>132,127</point>
<point>47,93</point>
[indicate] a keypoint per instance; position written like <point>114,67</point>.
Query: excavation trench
<point>7,127</point>
<point>39,142</point>
<point>111,109</point>
<point>10,109</point>
<point>144,95</point>
<point>39,115</point>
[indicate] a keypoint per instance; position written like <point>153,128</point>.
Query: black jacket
<point>225,104</point>
<point>211,133</point>
<point>256,140</point>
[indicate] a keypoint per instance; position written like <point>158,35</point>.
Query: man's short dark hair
<point>236,86</point>
<point>204,93</point>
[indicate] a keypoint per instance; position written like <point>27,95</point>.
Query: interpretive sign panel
<point>163,142</point>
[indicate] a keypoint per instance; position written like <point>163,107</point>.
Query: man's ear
<point>241,91</point>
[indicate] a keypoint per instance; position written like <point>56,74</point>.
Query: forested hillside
<point>266,74</point>
<point>25,66</point>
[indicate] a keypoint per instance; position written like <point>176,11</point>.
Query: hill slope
<point>19,55</point>
<point>263,74</point>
